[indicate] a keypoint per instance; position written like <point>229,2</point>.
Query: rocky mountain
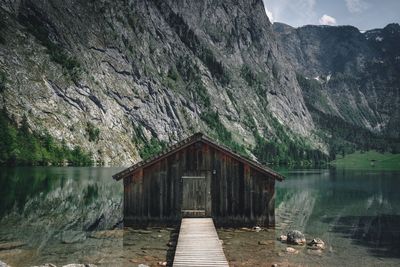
<point>115,76</point>
<point>348,74</point>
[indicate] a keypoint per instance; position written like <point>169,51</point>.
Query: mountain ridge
<point>134,71</point>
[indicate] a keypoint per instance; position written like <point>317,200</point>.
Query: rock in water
<point>282,238</point>
<point>257,229</point>
<point>317,243</point>
<point>295,237</point>
<point>291,250</point>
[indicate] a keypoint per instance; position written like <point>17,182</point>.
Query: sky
<point>363,14</point>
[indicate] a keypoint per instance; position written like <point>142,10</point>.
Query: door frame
<point>207,195</point>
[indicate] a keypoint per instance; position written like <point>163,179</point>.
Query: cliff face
<point>130,70</point>
<point>352,75</point>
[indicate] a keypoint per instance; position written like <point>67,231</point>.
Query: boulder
<point>295,237</point>
<point>3,264</point>
<point>291,250</point>
<point>257,229</point>
<point>317,243</point>
<point>282,238</point>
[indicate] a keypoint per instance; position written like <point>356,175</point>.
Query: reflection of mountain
<point>372,222</point>
<point>53,201</point>
<point>380,233</point>
<point>295,210</point>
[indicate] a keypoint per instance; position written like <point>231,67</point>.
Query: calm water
<point>64,215</point>
<point>356,213</point>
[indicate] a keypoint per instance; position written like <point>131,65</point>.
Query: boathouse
<point>198,177</point>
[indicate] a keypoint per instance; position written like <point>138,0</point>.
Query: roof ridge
<point>189,140</point>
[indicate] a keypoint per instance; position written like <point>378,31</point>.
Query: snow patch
<point>328,78</point>
<point>317,78</point>
<point>379,39</point>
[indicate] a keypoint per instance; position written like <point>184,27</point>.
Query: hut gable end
<point>199,178</point>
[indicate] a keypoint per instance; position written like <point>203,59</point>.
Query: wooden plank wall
<point>239,194</point>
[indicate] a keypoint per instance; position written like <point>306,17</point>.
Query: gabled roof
<point>198,137</point>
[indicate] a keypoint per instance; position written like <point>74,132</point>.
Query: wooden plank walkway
<point>198,244</point>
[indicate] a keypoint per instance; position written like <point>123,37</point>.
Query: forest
<point>20,146</point>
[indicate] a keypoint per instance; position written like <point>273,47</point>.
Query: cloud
<point>356,6</point>
<point>327,20</point>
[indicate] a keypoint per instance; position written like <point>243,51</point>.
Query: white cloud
<point>356,6</point>
<point>327,20</point>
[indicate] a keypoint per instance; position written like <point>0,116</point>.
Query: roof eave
<point>191,140</point>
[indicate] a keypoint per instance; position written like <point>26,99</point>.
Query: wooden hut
<point>198,177</point>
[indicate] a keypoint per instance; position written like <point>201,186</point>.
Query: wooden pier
<point>198,244</point>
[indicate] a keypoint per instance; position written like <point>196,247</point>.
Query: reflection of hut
<point>199,178</point>
<point>373,162</point>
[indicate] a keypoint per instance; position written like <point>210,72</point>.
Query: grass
<point>362,160</point>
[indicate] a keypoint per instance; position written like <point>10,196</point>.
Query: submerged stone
<point>316,243</point>
<point>291,250</point>
<point>282,238</point>
<point>296,237</point>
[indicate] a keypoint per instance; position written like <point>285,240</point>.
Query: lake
<point>74,215</point>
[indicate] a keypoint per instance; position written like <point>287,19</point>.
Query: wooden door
<point>194,196</point>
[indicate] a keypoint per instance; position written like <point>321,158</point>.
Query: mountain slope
<point>139,69</point>
<point>114,77</point>
<point>348,74</point>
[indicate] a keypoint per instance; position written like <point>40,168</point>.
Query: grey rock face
<point>355,74</point>
<point>137,69</point>
<point>140,66</point>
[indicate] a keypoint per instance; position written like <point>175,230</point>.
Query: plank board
<point>198,244</point>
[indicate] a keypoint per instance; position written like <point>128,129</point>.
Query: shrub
<point>248,75</point>
<point>152,148</point>
<point>213,121</point>
<point>92,132</point>
<point>201,93</point>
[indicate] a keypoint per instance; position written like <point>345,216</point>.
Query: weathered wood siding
<point>236,193</point>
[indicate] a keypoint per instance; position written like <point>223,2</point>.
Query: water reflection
<point>356,212</point>
<point>46,207</point>
<point>65,215</point>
